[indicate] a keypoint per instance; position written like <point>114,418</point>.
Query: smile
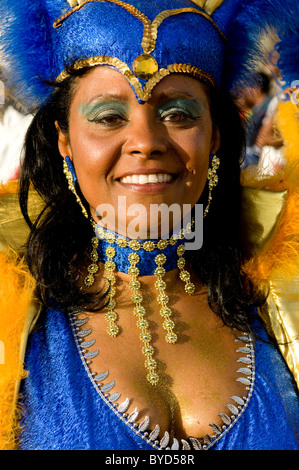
<point>152,178</point>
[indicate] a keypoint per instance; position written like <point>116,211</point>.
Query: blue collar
<point>146,249</point>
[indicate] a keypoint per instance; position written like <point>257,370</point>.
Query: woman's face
<point>148,154</point>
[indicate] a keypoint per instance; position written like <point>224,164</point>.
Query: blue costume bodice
<point>64,410</point>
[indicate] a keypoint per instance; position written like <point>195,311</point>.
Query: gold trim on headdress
<point>143,93</point>
<point>144,66</point>
<point>208,5</point>
<point>150,27</point>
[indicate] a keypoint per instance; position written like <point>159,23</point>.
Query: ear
<point>63,143</point>
<point>216,141</point>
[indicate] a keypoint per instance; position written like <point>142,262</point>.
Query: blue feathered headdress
<point>288,49</point>
<point>214,40</point>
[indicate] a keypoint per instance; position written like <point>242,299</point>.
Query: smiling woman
<point>142,343</point>
<point>152,153</point>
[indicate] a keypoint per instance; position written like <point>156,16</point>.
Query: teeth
<point>146,179</point>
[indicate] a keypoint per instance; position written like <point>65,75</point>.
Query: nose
<point>145,136</point>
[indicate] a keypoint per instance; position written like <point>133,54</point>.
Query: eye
<point>177,115</point>
<point>110,119</point>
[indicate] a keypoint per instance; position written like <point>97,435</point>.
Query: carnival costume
<point>216,41</point>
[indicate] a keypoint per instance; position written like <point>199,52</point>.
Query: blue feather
<point>244,22</point>
<point>288,49</point>
<point>26,47</point>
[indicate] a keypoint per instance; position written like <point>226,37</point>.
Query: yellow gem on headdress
<point>145,66</point>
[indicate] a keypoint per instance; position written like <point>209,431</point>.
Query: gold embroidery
<point>208,5</point>
<point>150,28</point>
<point>145,20</point>
<point>151,34</point>
<point>177,68</point>
<point>143,93</point>
<point>106,60</point>
<point>145,66</point>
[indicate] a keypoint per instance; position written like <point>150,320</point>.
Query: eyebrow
<point>108,96</point>
<point>173,95</point>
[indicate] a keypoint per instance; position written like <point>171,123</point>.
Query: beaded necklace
<point>139,258</point>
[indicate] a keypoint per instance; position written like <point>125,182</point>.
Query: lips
<point>151,178</point>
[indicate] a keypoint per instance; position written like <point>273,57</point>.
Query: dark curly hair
<point>59,239</point>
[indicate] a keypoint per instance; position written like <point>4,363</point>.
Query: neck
<point>147,250</point>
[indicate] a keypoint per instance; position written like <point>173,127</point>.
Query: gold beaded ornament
<point>71,185</point>
<point>135,286</point>
<point>212,181</point>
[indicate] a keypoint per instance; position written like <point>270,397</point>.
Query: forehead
<point>105,82</point>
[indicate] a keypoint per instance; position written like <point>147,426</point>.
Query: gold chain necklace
<point>106,246</point>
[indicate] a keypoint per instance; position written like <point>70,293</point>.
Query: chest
<point>197,376</point>
<point>65,407</point>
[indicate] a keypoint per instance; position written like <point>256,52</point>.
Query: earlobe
<point>63,142</point>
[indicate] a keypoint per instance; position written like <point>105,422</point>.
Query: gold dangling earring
<point>213,180</point>
<point>69,172</point>
<point>71,177</point>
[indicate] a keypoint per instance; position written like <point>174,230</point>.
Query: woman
<point>198,370</point>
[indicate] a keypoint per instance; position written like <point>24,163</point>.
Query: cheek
<point>197,151</point>
<point>92,156</point>
<point>92,159</point>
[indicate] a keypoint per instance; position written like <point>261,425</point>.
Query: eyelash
<point>184,114</point>
<point>101,118</point>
